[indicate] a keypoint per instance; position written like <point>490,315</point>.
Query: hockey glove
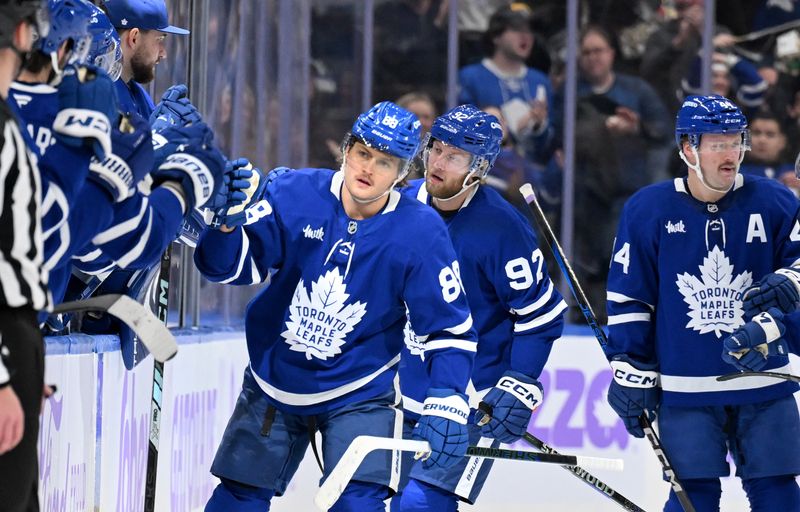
<point>174,109</point>
<point>243,185</point>
<point>778,290</point>
<point>749,346</point>
<point>130,161</point>
<point>88,106</point>
<point>634,390</point>
<point>444,425</point>
<point>192,161</point>
<point>512,400</point>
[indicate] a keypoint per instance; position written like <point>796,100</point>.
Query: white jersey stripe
<point>627,318</point>
<point>620,298</point>
<point>469,346</point>
<point>541,320</point>
<point>304,399</point>
<point>541,301</point>
<point>680,384</point>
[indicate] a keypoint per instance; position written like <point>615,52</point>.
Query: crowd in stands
<point>637,61</point>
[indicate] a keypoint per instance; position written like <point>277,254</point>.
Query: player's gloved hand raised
<point>242,186</point>
<point>87,109</point>
<point>509,406</point>
<point>634,390</point>
<point>444,425</point>
<point>191,160</point>
<point>174,109</point>
<point>749,346</point>
<point>130,161</point>
<point>780,289</point>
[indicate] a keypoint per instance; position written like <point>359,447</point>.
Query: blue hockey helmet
<point>105,51</point>
<point>69,20</point>
<point>470,129</point>
<point>390,129</point>
<point>708,114</point>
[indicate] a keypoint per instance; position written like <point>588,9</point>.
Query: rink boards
<point>93,440</point>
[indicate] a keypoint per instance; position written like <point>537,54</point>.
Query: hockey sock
<point>234,496</point>
<point>423,497</point>
<point>705,494</point>
<point>361,497</point>
<point>772,493</point>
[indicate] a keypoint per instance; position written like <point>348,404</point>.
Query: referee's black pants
<point>19,468</point>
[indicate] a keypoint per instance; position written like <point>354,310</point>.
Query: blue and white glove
<point>749,346</point>
<point>130,161</point>
<point>192,161</point>
<point>780,289</point>
<point>174,109</point>
<point>444,425</point>
<point>242,186</point>
<point>87,109</point>
<point>512,402</point>
<point>635,389</point>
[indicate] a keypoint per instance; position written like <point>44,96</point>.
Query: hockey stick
<point>774,375</point>
<point>583,303</point>
<point>579,472</point>
<point>362,446</point>
<point>162,309</point>
<point>758,34</point>
<point>153,334</point>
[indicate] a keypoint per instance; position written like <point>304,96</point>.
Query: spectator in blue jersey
<point>516,309</point>
<point>732,76</point>
<point>768,156</point>
<point>685,255</point>
<point>624,135</point>
<point>504,80</point>
<point>143,27</point>
<point>345,254</point>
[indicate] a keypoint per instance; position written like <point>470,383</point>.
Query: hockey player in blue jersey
<point>345,254</point>
<point>685,252</point>
<point>517,311</point>
<point>102,209</point>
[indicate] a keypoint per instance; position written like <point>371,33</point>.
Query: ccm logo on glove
<point>627,375</point>
<point>530,396</point>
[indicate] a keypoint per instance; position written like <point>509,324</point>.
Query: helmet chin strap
<point>699,171</point>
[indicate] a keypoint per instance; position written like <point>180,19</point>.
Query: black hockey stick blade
<point>775,375</point>
<point>579,472</point>
<point>151,332</point>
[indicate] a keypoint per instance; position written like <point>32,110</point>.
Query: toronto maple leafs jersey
<point>517,311</point>
<point>80,217</point>
<point>328,330</point>
<point>678,271</point>
<point>64,170</point>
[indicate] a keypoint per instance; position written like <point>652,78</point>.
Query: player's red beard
<point>142,71</point>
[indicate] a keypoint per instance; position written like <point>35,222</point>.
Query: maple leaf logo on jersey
<point>319,322</point>
<point>415,346</point>
<point>715,300</point>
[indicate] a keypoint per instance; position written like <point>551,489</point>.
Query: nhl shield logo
<point>320,321</point>
<point>715,299</point>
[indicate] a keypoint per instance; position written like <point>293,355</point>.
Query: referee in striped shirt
<point>23,281</point>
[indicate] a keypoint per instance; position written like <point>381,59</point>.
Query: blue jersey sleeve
<point>142,229</point>
<point>248,253</point>
<point>438,309</point>
<point>518,271</point>
<point>633,285</point>
<point>788,253</point>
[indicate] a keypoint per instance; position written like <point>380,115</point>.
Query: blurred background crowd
<point>281,81</point>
